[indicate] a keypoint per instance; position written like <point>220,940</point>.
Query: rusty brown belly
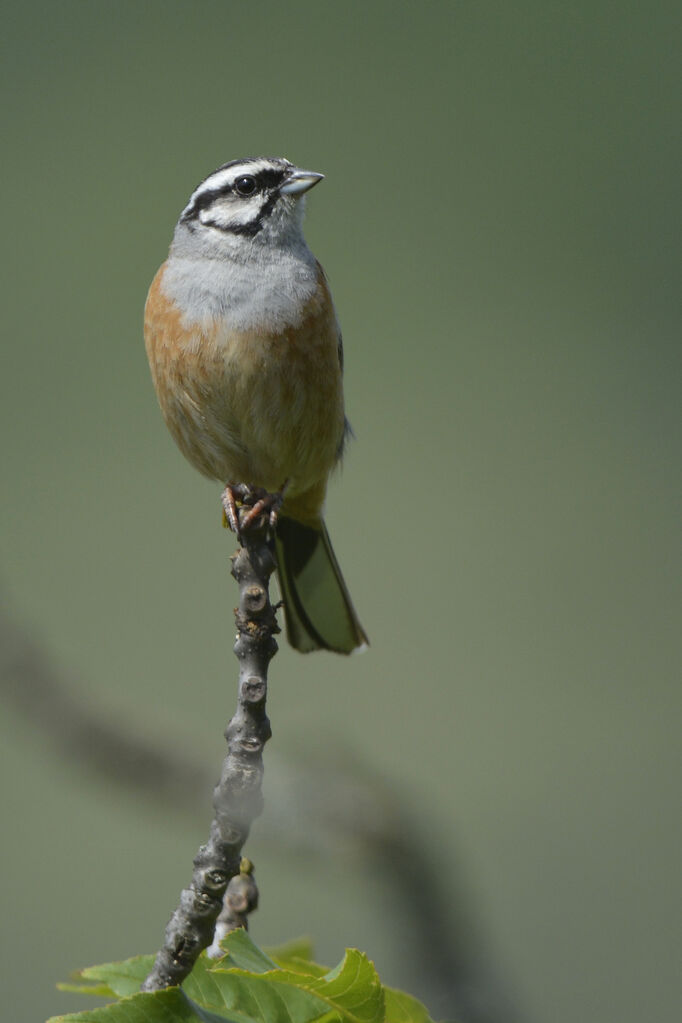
<point>246,407</point>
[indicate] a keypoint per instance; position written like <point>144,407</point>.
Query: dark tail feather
<point>318,611</point>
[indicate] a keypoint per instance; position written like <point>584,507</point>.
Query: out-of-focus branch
<point>237,798</point>
<point>30,682</point>
<point>330,806</point>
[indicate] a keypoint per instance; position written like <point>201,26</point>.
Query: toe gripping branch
<point>246,507</point>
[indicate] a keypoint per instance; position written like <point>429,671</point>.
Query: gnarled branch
<point>237,799</point>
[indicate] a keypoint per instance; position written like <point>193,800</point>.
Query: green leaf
<point>253,1000</point>
<point>243,953</point>
<point>353,987</point>
<point>234,1016</point>
<point>112,980</point>
<point>403,1008</point>
<point>248,986</point>
<point>300,949</point>
<point>353,991</point>
<point>303,966</point>
<point>297,956</point>
<point>267,994</point>
<point>169,1006</point>
<point>97,990</point>
<point>219,991</point>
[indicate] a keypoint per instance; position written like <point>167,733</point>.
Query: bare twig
<point>237,799</point>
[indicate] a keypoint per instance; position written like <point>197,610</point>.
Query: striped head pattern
<point>255,198</point>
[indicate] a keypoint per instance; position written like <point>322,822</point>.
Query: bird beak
<point>299,181</point>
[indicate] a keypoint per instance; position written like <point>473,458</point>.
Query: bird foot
<point>245,507</point>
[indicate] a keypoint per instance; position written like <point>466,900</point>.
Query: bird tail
<point>318,611</point>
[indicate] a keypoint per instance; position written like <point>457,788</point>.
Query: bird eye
<point>245,186</point>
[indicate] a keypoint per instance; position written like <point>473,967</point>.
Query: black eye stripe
<point>269,177</point>
<point>266,179</point>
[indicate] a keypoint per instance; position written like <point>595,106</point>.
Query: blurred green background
<point>500,222</point>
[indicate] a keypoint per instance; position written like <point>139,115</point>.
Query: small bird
<point>246,357</point>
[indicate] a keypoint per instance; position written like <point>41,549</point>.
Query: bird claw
<point>268,503</point>
<point>237,498</point>
<point>230,513</point>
